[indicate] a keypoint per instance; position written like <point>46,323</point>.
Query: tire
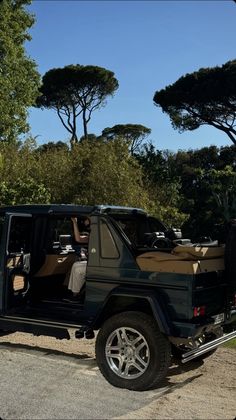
<point>135,338</point>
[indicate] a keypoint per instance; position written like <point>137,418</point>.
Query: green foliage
<point>19,79</point>
<point>195,188</point>
<point>155,163</point>
<point>89,137</point>
<point>19,183</point>
<point>167,204</point>
<point>23,191</point>
<point>105,173</point>
<point>133,134</point>
<point>192,189</point>
<point>93,172</point>
<point>54,171</point>
<point>207,96</point>
<point>223,186</point>
<point>52,146</point>
<point>76,90</point>
<point>207,179</point>
<point>231,344</point>
<point>90,173</point>
<point>164,188</point>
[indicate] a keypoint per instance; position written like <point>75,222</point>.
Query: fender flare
<point>160,315</point>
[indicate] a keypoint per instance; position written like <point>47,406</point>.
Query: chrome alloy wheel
<point>127,353</point>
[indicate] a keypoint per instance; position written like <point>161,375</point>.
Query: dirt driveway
<point>43,377</point>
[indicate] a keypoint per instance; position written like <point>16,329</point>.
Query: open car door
<point>15,255</point>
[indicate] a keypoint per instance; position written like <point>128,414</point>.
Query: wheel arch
<point>121,300</point>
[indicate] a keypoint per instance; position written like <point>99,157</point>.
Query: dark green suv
<point>148,292</point>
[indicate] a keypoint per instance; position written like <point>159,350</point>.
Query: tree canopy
<point>134,134</point>
<point>207,96</point>
<point>199,183</point>
<point>195,189</point>
<point>76,90</point>
<point>19,79</point>
<point>79,175</point>
<point>208,186</point>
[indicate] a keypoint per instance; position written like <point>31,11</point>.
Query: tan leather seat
<point>183,260</point>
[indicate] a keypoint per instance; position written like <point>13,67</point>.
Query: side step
<point>192,354</point>
<point>37,327</point>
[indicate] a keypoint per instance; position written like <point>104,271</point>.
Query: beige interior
<point>199,252</point>
<point>56,264</point>
<point>18,282</point>
<point>199,260</point>
<point>13,262</point>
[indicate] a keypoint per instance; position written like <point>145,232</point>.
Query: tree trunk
<point>74,139</point>
<point>85,124</point>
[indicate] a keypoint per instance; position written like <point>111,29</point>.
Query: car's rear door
<point>15,251</point>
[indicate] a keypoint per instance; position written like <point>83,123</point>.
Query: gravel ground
<point>42,377</point>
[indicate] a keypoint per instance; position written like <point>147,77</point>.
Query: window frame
<point>103,221</point>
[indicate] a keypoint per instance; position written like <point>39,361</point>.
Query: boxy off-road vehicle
<point>148,293</point>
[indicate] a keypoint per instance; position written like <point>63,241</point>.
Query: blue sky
<point>147,44</point>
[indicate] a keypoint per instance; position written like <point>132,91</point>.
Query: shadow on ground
<point>45,351</point>
<point>85,360</point>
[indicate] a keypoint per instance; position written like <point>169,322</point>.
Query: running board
<point>192,354</point>
<point>38,326</point>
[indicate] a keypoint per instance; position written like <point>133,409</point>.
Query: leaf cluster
<point>195,187</point>
<point>207,96</point>
<point>133,134</point>
<point>100,173</point>
<point>76,85</point>
<point>19,79</point>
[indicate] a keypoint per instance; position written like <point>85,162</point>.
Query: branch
<point>225,130</point>
<point>78,113</point>
<point>67,128</point>
<point>68,119</point>
<point>215,124</point>
<point>91,110</point>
